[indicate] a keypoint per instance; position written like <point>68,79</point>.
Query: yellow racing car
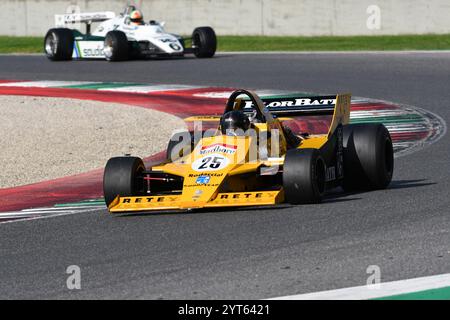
<point>252,159</point>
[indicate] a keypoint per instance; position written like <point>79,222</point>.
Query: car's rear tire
<point>116,46</point>
<point>58,44</point>
<point>120,177</point>
<point>303,176</point>
<point>368,157</point>
<point>204,42</point>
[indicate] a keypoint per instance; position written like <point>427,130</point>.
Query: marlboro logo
<point>218,148</point>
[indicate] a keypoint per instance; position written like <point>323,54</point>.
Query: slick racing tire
<point>204,42</point>
<point>303,176</point>
<point>368,157</point>
<point>120,177</point>
<point>116,46</point>
<point>58,44</point>
<point>180,143</point>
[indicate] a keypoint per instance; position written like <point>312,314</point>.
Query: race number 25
<point>211,162</point>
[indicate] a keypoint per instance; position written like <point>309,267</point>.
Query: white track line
<point>39,217</point>
<point>371,291</point>
<point>43,213</point>
<point>374,52</point>
<point>150,88</point>
<point>99,206</point>
<point>45,84</point>
<point>36,216</point>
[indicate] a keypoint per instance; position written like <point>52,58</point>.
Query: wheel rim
<point>51,44</point>
<point>108,49</point>
<point>196,44</point>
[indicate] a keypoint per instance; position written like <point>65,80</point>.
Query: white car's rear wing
<point>63,19</point>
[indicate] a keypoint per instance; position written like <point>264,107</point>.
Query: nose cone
<point>156,35</point>
<point>169,44</point>
<point>209,166</point>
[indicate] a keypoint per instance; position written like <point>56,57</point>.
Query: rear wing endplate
<point>341,113</point>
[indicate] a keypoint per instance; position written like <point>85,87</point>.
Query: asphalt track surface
<point>249,253</point>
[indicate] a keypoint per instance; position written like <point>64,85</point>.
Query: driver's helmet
<point>234,120</point>
<point>136,17</point>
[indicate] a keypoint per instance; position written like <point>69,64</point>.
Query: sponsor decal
<point>72,18</point>
<point>149,199</point>
<point>98,52</point>
<point>175,47</point>
<point>90,49</point>
<point>167,40</point>
<point>209,185</point>
<point>218,147</point>
<point>192,175</point>
<point>296,102</point>
<point>197,194</point>
<point>203,179</point>
<point>340,152</point>
<point>212,162</point>
<point>241,196</point>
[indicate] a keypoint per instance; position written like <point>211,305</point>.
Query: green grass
<point>406,42</point>
<point>261,43</point>
<point>21,44</point>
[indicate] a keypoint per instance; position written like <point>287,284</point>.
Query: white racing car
<point>122,37</point>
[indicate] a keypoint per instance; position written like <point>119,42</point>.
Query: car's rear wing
<point>337,106</point>
<point>61,20</point>
<point>292,105</point>
<point>271,108</point>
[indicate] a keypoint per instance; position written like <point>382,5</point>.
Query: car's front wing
<point>178,202</point>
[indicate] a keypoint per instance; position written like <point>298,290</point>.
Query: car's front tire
<point>368,157</point>
<point>58,44</point>
<point>120,177</point>
<point>303,176</point>
<point>204,42</point>
<point>116,46</point>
